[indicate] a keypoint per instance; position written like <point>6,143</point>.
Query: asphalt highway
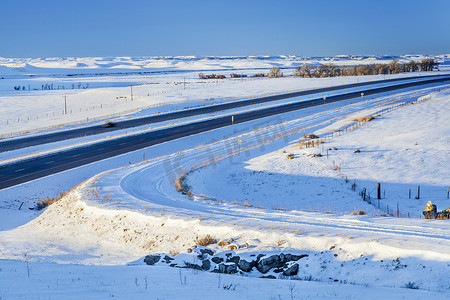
<point>17,143</point>
<point>41,166</point>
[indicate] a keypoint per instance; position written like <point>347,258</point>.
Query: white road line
<point>18,170</point>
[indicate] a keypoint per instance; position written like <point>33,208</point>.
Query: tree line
<point>394,67</point>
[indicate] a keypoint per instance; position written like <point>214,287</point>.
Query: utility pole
<point>65,104</point>
<point>184,83</point>
<point>131,87</point>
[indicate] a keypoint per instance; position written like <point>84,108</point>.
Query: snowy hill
<point>111,65</point>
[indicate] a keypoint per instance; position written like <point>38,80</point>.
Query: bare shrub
<point>428,64</point>
<point>306,71</point>
<point>205,241</point>
<point>211,76</point>
<point>259,75</point>
<point>234,75</point>
<point>393,67</point>
<point>290,156</point>
<point>275,72</point>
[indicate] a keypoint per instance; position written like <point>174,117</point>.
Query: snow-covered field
<point>242,186</point>
<point>57,91</point>
<point>397,149</point>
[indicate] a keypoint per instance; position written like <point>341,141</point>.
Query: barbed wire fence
<point>387,206</point>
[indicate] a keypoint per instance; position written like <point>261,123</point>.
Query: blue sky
<point>49,28</point>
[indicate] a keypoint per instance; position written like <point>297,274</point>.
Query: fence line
<point>21,132</point>
<point>365,195</point>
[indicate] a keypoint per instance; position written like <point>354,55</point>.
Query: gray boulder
<point>151,259</point>
<point>206,264</point>
<point>168,259</point>
<point>207,251</point>
<point>266,264</point>
<point>217,260</point>
<point>192,266</point>
<point>227,268</point>
<point>297,257</point>
<point>245,265</point>
<point>292,270</point>
<point>234,259</point>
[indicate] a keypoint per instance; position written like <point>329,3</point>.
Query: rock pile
<point>227,262</point>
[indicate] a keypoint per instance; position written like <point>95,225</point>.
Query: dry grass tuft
<point>248,204</point>
<point>205,241</point>
<point>44,202</point>
<point>148,245</point>
<point>232,247</point>
<point>359,213</point>
<point>366,119</point>
<point>310,136</point>
<point>280,243</point>
<point>181,185</point>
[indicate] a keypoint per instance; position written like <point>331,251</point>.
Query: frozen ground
<point>82,245</point>
<point>50,281</point>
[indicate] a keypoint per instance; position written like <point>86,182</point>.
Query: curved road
<point>38,167</point>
